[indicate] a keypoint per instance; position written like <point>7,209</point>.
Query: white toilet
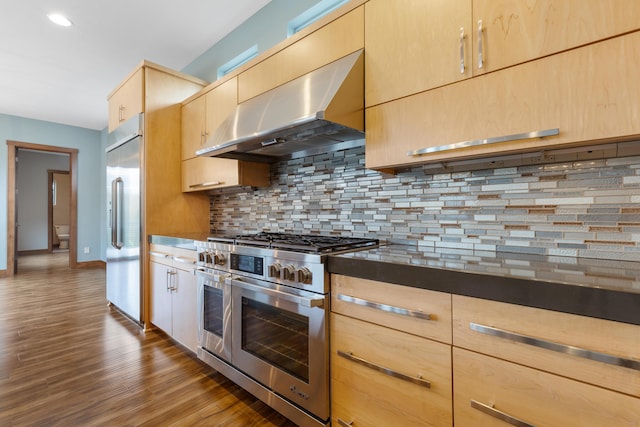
<point>62,231</point>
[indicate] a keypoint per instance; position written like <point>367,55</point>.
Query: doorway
<point>59,196</point>
<point>13,228</point>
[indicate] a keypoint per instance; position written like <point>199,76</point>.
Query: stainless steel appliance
<point>264,315</point>
<point>318,112</point>
<point>124,289</point>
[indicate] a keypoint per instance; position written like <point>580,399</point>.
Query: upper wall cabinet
<point>415,45</point>
<point>127,100</point>
<point>203,115</point>
<point>327,44</point>
<point>590,94</point>
<point>200,117</point>
<point>509,32</point>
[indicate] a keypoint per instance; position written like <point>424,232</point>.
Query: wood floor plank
<point>67,359</point>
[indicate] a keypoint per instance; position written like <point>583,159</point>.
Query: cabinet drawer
<point>534,397</point>
<point>413,310</point>
<point>161,254</point>
<point>561,343</point>
<point>364,396</point>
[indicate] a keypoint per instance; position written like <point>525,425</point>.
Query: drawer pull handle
<point>206,184</point>
<point>384,307</point>
<point>159,254</point>
<point>183,260</point>
<point>480,52</point>
<point>415,380</point>
<point>486,141</point>
<point>560,348</point>
<point>343,423</point>
<point>490,410</point>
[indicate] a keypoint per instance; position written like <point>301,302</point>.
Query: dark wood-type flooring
<point>66,359</point>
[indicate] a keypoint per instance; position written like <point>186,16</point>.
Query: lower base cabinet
<point>492,392</point>
<point>384,377</point>
<point>174,299</point>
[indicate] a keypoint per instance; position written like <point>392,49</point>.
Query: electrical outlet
<point>87,249</point>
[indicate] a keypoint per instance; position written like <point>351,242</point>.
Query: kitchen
<point>578,207</point>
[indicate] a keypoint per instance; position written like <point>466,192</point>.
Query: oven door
<point>214,313</point>
<point>280,339</point>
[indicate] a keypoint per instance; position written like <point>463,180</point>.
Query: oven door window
<point>277,336</point>
<point>213,310</point>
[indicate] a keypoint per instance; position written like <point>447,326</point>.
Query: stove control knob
<point>207,258</point>
<point>304,275</point>
<point>274,270</point>
<point>201,257</point>
<point>219,259</point>
<point>290,273</point>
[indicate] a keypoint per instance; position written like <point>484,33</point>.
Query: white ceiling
<point>64,75</point>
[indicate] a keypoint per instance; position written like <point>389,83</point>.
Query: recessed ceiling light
<point>59,19</point>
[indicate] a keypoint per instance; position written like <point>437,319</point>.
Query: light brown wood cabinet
<point>491,392</point>
<point>515,31</point>
<point>465,71</point>
<point>590,94</point>
<point>498,329</point>
<point>510,363</point>
<point>380,374</point>
<point>173,286</point>
<point>415,45</point>
<point>127,99</point>
<point>412,46</point>
<point>165,209</point>
<point>333,41</point>
<point>200,117</point>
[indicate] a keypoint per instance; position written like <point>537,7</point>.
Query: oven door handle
<point>296,299</point>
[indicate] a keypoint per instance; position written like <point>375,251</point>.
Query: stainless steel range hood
<point>319,112</point>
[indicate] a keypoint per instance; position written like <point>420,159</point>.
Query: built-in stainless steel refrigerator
<point>124,274</point>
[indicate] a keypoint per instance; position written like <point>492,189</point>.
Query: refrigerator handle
<point>117,189</point>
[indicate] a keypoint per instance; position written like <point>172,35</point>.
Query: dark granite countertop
<point>605,289</point>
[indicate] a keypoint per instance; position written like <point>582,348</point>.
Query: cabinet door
<point>488,390</point>
<point>381,381</point>
<point>184,309</point>
<point>161,279</point>
<point>207,173</point>
<point>221,102</point>
<point>580,92</point>
<point>127,101</point>
<point>565,344</point>
<point>329,43</point>
<point>193,127</point>
<point>518,31</point>
<point>415,45</point>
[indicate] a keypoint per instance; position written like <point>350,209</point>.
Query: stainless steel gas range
<point>263,302</point>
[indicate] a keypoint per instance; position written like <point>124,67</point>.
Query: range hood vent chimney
<point>319,112</point>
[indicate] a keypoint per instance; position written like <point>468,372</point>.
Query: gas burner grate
<point>309,243</point>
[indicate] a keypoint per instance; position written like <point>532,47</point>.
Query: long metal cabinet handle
<point>384,307</point>
<point>462,37</point>
<point>489,410</point>
<point>117,191</point>
<point>159,254</point>
<point>343,423</point>
<point>415,380</point>
<point>487,141</point>
<point>480,58</point>
<point>184,260</point>
<point>207,184</point>
<point>560,348</point>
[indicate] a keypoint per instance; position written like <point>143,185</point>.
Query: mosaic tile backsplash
<point>587,208</point>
